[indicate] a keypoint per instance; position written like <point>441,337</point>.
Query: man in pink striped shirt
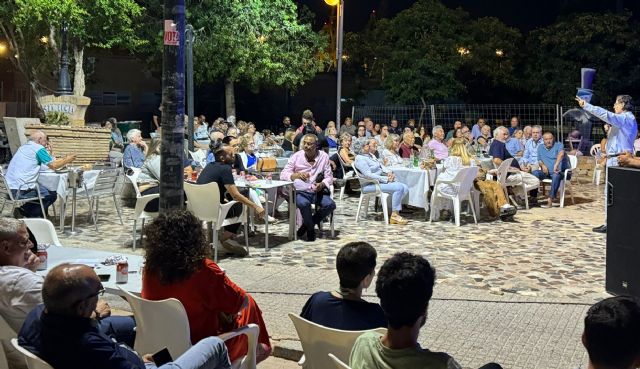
<point>311,174</point>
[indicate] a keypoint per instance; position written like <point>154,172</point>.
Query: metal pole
<point>64,82</point>
<point>340,25</point>
<point>189,39</point>
<point>172,148</point>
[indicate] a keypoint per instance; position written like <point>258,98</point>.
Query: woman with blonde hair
<point>247,152</point>
<point>389,155</point>
<point>494,197</point>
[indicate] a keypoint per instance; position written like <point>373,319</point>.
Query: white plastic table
<point>59,255</point>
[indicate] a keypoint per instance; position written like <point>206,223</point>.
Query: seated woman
<point>484,140</point>
<point>287,143</point>
<point>347,156</point>
<point>389,155</point>
<point>135,151</point>
<point>178,266</point>
<point>370,168</point>
<point>493,194</point>
<point>457,133</point>
<point>344,308</point>
<point>332,139</point>
<point>247,152</point>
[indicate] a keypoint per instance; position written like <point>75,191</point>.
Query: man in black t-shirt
<point>220,172</point>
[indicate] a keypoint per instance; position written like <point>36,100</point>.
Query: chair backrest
<point>342,164</point>
<point>6,334</point>
<point>203,200</point>
<point>251,331</point>
<point>502,171</point>
<point>43,230</point>
<point>106,183</point>
<point>199,156</point>
<point>362,179</point>
<point>468,175</point>
<point>338,364</point>
<point>573,161</point>
<point>159,324</point>
<point>133,175</point>
<point>33,362</point>
<point>595,150</point>
<point>5,192</point>
<point>319,341</point>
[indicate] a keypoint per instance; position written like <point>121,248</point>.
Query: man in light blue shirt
<point>23,171</point>
<point>476,130</point>
<point>622,133</point>
<point>530,156</point>
<point>553,162</point>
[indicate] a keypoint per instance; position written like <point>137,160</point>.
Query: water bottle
<point>415,161</point>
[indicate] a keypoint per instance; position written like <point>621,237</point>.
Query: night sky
<point>522,14</point>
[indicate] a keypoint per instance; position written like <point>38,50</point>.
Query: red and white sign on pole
<point>171,35</point>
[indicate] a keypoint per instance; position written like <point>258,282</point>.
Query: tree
<point>92,24</point>
<point>606,42</point>
<point>433,52</point>
<point>254,42</point>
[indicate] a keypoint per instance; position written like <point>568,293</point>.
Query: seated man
<point>437,145</point>
<point>21,287</point>
<point>404,286</point>
<point>311,174</point>
<point>553,163</point>
<point>63,334</point>
<point>530,155</point>
<point>517,175</point>
<point>23,172</point>
<point>611,333</point>
<point>344,308</point>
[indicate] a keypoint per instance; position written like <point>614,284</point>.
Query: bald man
<point>23,172</point>
<point>63,334</point>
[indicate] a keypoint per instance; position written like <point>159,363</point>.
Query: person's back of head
<point>71,290</point>
<point>405,286</point>
<point>355,262</point>
<point>612,333</point>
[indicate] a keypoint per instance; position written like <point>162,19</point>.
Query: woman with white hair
<point>135,151</point>
<point>389,155</point>
<point>371,169</point>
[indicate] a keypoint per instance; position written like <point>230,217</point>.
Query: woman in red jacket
<point>177,266</point>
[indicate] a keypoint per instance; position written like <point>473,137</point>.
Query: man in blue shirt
<point>622,133</point>
<point>530,156</point>
<point>515,124</point>
<point>23,172</point>
<point>553,162</point>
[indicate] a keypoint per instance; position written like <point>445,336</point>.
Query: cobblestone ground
<point>512,292</point>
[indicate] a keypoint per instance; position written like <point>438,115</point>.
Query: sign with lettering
<point>171,35</point>
<point>61,107</point>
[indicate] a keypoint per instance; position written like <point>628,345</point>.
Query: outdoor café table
<point>267,185</point>
<point>58,181</point>
<point>58,255</point>
<point>419,181</point>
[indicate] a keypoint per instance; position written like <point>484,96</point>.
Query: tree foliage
<point>606,42</point>
<point>427,49</point>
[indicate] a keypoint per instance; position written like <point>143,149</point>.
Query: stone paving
<point>513,292</point>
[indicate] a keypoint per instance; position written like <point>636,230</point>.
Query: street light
<point>340,28</point>
<point>463,51</point>
<point>3,48</point>
<point>499,53</point>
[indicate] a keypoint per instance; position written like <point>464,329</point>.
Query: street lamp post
<point>64,81</point>
<point>340,34</point>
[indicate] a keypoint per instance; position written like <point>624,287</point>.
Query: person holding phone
<point>620,137</point>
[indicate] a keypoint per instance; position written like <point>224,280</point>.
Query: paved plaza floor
<point>510,292</point>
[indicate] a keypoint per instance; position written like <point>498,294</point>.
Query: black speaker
<point>623,232</point>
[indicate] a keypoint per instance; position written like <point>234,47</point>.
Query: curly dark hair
<point>404,286</point>
<point>175,247</point>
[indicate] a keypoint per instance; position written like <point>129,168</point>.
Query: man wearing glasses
<point>21,287</point>
<point>63,333</point>
<point>622,133</point>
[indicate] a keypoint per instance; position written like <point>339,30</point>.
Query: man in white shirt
<point>21,288</point>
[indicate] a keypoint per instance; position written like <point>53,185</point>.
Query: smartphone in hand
<point>162,357</point>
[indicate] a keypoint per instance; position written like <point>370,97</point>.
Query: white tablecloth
<point>418,181</point>
<point>58,182</point>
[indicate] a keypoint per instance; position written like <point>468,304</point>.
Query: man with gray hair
<point>437,145</point>
<point>530,156</point>
<point>23,172</point>
<point>498,150</point>
<point>136,150</point>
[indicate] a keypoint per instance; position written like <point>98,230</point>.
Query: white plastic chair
<point>319,341</point>
<point>364,197</point>
<point>6,335</point>
<point>525,189</point>
<point>107,184</point>
<point>338,364</point>
<point>463,181</point>
<point>7,196</point>
<point>596,152</point>
<point>346,176</point>
<point>573,161</point>
<point>33,362</point>
<point>204,202</point>
<point>43,230</point>
<point>164,323</point>
<point>141,201</point>
<point>199,156</point>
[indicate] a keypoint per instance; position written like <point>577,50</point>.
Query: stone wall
<point>87,143</point>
